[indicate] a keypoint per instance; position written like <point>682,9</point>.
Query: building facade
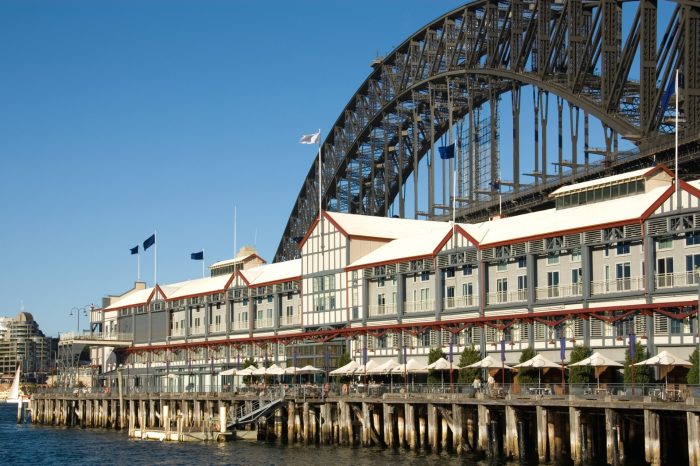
<point>617,256</point>
<point>23,343</point>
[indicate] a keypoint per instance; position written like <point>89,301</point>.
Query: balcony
<point>460,302</point>
<point>240,325</point>
<point>217,328</point>
<point>382,310</point>
<point>618,285</point>
<point>561,291</point>
<point>679,279</point>
<point>263,323</point>
<point>294,319</point>
<point>419,306</point>
<point>504,297</point>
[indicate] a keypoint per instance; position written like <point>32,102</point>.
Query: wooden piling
<point>409,413</point>
<point>510,448</point>
<point>693,422</point>
<point>541,414</point>
<point>483,435</point>
<point>433,427</point>
<point>457,428</point>
<point>652,445</point>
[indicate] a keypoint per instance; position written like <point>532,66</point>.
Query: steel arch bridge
<point>444,84</point>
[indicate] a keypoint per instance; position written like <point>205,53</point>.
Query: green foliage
<point>527,375</point>
<point>435,377</point>
<point>694,373</point>
<point>344,359</point>
<point>248,362</point>
<point>642,374</point>
<point>580,374</point>
<point>469,356</point>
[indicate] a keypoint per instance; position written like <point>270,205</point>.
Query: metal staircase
<point>252,410</point>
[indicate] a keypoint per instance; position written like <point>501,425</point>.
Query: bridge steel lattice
<point>459,65</point>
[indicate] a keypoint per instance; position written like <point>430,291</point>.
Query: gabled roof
<point>135,298</point>
<point>416,246</point>
<point>552,222</point>
<point>272,273</point>
<point>199,286</point>
<point>368,226</point>
<point>584,185</point>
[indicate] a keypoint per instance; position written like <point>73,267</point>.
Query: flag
<point>451,353</point>
<point>562,348</point>
<point>632,345</point>
<point>364,354</point>
<point>503,350</point>
<point>496,184</point>
<point>197,256</point>
<point>134,250</point>
<point>150,241</point>
<point>447,152</point>
<point>310,138</point>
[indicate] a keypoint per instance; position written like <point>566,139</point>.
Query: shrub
<point>580,374</point>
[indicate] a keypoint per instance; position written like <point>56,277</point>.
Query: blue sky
<point>118,118</point>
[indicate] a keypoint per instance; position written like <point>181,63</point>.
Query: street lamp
<point>77,314</point>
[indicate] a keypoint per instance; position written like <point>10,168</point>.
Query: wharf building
<point>617,256</point>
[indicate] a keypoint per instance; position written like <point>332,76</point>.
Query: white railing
<point>420,306</point>
<point>216,328</point>
<point>668,280</point>
<point>240,325</point>
<point>561,291</point>
<point>294,319</point>
<point>198,330</point>
<point>177,333</point>
<point>382,309</point>
<point>106,336</point>
<point>618,285</point>
<point>262,323</point>
<point>501,297</point>
<point>460,301</point>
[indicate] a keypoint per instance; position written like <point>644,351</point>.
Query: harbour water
<point>34,444</point>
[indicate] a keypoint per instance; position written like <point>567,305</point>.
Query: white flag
<point>310,138</point>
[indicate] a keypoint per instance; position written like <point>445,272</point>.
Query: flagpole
<point>202,263</point>
<point>235,230</point>
<point>138,266</point>
<point>678,192</point>
<point>155,259</point>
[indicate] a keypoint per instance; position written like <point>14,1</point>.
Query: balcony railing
<point>501,297</point>
<point>560,291</point>
<point>263,323</point>
<point>420,306</point>
<point>217,328</point>
<point>294,319</point>
<point>240,325</point>
<point>617,285</point>
<point>382,310</point>
<point>460,301</point>
<point>678,279</point>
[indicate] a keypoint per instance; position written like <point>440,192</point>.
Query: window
<point>623,248</point>
<point>623,276</point>
<point>664,243</point>
<point>675,326</point>
<point>692,268</point>
<point>424,298</point>
<point>381,302</point>
<point>692,238</point>
<point>552,284</point>
<point>502,290</point>
<point>449,273</point>
<point>576,284</point>
<point>552,258</point>
<point>502,266</point>
<point>468,293</point>
<point>450,295</point>
<point>380,283</point>
<point>522,262</point>
<point>576,255</point>
<point>522,287</point>
<point>467,270</point>
<point>424,276</point>
<point>664,270</point>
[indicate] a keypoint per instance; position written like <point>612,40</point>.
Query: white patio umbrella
<point>310,370</point>
<point>347,369</point>
<point>539,362</point>
<point>599,361</point>
<point>231,371</point>
<point>384,368</point>
<point>411,367</point>
<point>489,362</point>
<point>291,370</point>
<point>666,362</point>
<point>250,370</point>
<point>440,365</point>
<point>363,368</point>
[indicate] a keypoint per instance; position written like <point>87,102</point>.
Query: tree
<point>469,356</point>
<point>642,374</point>
<point>434,377</point>
<point>527,375</point>
<point>694,370</point>
<point>344,359</point>
<point>248,362</point>
<point>580,374</point>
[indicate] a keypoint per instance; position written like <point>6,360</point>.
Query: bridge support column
<point>652,438</point>
<point>542,436</point>
<point>457,428</point>
<point>510,449</point>
<point>693,438</point>
<point>575,432</point>
<point>483,428</point>
<point>614,437</point>
<point>411,439</point>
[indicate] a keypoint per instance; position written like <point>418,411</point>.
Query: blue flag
<point>633,343</point>
<point>451,353</point>
<point>562,348</point>
<point>134,250</point>
<point>496,184</point>
<point>503,350</point>
<point>447,152</point>
<point>197,256</point>
<point>150,241</point>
